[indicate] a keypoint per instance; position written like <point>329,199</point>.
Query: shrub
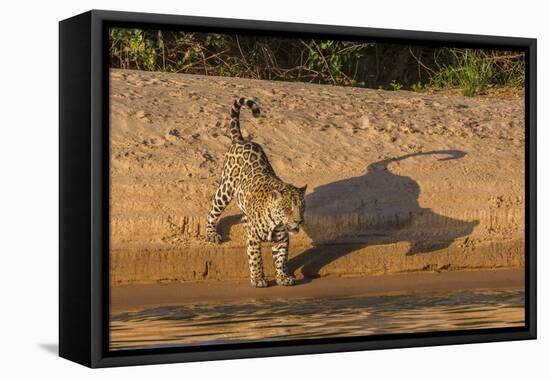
<point>348,63</point>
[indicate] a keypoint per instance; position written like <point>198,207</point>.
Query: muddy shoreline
<point>135,297</point>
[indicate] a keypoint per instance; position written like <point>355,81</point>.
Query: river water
<point>224,323</point>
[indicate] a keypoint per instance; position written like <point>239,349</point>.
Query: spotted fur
<point>272,208</point>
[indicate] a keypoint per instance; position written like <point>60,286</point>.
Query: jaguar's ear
<point>303,189</point>
<point>276,195</point>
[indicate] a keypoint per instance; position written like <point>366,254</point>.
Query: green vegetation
<point>418,87</point>
<point>395,85</point>
<point>370,65</point>
<point>475,70</point>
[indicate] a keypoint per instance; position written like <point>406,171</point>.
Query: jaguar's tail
<point>234,125</point>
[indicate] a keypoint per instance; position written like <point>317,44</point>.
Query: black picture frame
<point>84,188</point>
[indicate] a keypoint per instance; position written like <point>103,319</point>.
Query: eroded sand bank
<point>397,181</point>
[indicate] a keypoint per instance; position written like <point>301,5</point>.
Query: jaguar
<point>272,209</point>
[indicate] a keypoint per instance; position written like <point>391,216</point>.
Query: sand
<point>397,181</point>
<point>136,297</point>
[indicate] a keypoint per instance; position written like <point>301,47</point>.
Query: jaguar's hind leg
<point>220,200</point>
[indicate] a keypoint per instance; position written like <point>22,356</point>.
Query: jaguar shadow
<point>226,224</point>
<point>377,208</point>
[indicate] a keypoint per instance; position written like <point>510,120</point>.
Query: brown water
<point>315,318</point>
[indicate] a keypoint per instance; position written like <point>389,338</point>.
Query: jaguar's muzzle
<point>294,228</point>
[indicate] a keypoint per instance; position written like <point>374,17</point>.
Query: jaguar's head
<point>288,207</point>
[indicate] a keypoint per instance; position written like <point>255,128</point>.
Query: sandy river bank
<point>398,182</point>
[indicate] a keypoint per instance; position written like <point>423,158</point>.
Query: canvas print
<point>267,188</point>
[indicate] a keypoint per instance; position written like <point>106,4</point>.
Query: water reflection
<point>315,318</point>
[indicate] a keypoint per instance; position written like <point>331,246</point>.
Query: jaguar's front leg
<point>254,252</point>
<point>280,258</point>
